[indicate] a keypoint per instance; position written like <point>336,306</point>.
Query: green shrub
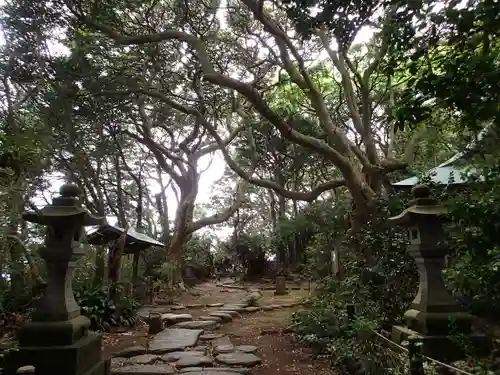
<point>102,311</point>
<point>381,294</point>
<point>473,274</point>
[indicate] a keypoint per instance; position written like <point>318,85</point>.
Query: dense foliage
<point>299,114</point>
<point>473,273</point>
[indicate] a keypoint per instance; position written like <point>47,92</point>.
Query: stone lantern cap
<point>424,206</point>
<point>65,207</point>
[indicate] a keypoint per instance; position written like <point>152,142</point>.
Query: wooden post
<point>135,268</point>
<point>155,322</point>
<point>415,358</point>
<point>151,294</point>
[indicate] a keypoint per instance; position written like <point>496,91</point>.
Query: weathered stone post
<point>57,340</point>
<point>433,314</point>
<point>281,289</point>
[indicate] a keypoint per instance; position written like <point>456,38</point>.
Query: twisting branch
<point>212,76</point>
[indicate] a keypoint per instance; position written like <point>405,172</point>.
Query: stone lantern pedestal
<point>57,340</point>
<point>434,315</point>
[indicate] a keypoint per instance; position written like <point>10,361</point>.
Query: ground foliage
<point>103,312</point>
<point>382,294</point>
<point>474,272</point>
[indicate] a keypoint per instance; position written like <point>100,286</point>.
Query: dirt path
<point>279,352</point>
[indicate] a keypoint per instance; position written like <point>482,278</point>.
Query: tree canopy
<point>315,107</point>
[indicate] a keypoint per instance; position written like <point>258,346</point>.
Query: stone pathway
<point>191,346</point>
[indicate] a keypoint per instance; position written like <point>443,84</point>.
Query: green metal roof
<point>135,241</point>
<point>453,170</point>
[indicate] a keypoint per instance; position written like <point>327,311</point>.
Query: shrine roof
<point>453,171</point>
<point>135,241</point>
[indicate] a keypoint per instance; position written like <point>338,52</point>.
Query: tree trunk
<point>100,251</point>
<point>282,253</point>
<point>139,212</point>
<point>100,266</point>
<point>183,217</point>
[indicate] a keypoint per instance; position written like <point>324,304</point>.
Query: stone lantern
<point>434,314</point>
<point>57,340</point>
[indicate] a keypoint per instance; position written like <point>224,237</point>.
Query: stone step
<point>215,370</point>
<point>252,309</point>
<point>170,318</point>
<point>143,359</point>
<point>237,308</point>
<point>230,312</point>
<point>160,369</point>
<point>174,339</point>
<point>214,318</point>
<point>222,345</point>
<point>210,336</point>
<point>195,306</point>
<point>226,317</point>
<point>215,305</point>
<point>188,359</point>
<point>131,351</point>
<point>238,359</point>
<point>197,324</point>
<point>246,348</point>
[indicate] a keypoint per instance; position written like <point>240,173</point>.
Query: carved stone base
<point>442,347</point>
<point>81,358</point>
<point>438,324</point>
<point>53,333</point>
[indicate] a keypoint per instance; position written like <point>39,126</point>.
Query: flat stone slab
<point>252,309</point>
<point>188,359</point>
<point>215,370</point>
<point>195,306</point>
<point>176,318</point>
<point>215,305</point>
<point>143,359</point>
<point>223,345</point>
<point>233,313</point>
<point>268,308</point>
<point>210,336</point>
<point>26,370</point>
<point>195,360</point>
<point>234,308</point>
<point>197,324</point>
<point>175,356</point>
<point>220,349</point>
<point>224,316</point>
<point>131,351</point>
<point>246,348</point>
<point>211,372</point>
<point>200,348</point>
<point>174,339</point>
<point>144,312</point>
<point>214,318</point>
<point>178,307</point>
<point>163,369</point>
<point>238,359</point>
